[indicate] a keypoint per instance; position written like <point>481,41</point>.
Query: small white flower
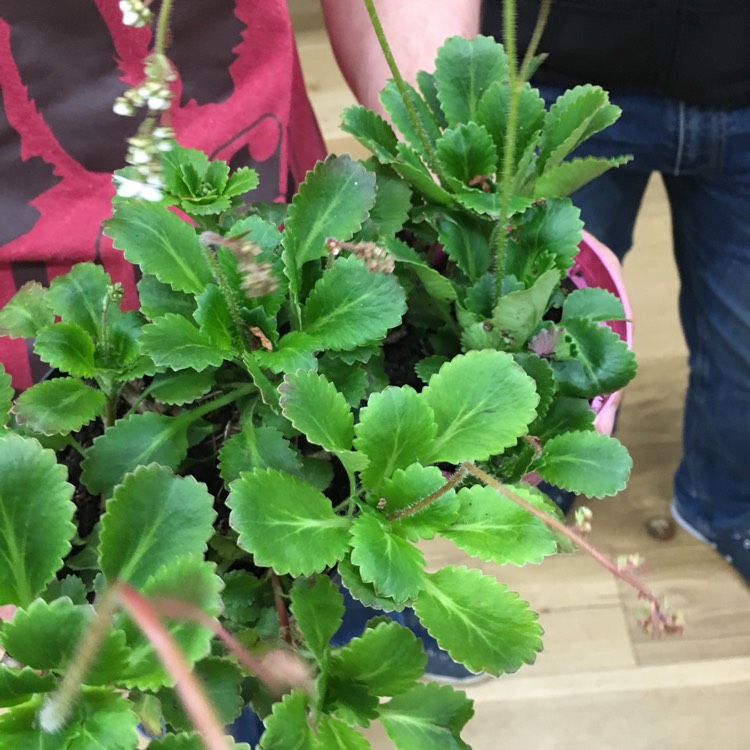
<point>123,107</point>
<point>164,146</point>
<point>158,103</point>
<point>138,156</point>
<point>128,188</point>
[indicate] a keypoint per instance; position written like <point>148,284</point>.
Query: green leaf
<point>182,387</point>
<point>392,203</point>
<point>395,429</point>
<point>214,318</point>
<point>295,351</point>
<point>333,201</point>
<point>549,229</point>
<point>287,727</point>
<point>286,523</point>
<point>6,395</point>
<point>36,519</point>
<point>495,529</point>
<point>576,115</point>
<point>393,565</point>
<point>336,735</point>
<point>315,408</point>
<point>350,379</point>
<point>585,462</point>
<point>20,685</point>
<point>405,488</point>
<point>318,607</point>
<point>188,579</point>
<point>565,414</point>
<point>603,362</point>
<point>388,659</point>
<point>393,103</point>
<point>361,590</point>
<point>517,314</point>
<point>153,517</point>
<point>157,299</point>
<point>464,69</point>
<point>478,621</point>
<point>261,447</point>
<point>221,680</point>
<point>436,285</point>
<point>26,313</point>
<point>482,401</point>
<point>541,371</point>
<point>371,130</point>
<point>413,170</point>
<point>566,178</point>
<point>427,716</point>
<point>428,89</point>
<point>132,442</point>
<point>101,718</point>
<point>241,181</point>
<point>429,366</point>
<point>174,342</point>
<point>68,348</point>
<point>59,406</point>
<point>71,587</point>
<point>191,741</point>
<point>467,151</point>
<point>466,243</point>
<point>80,296</point>
<point>45,636</point>
<point>351,306</point>
<point>161,243</point>
<point>593,303</point>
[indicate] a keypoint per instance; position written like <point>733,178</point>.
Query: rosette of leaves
<point>504,236</point>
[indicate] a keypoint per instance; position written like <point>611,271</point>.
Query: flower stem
<point>411,510</point>
<point>161,36</point>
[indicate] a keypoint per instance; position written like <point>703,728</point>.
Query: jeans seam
<point>680,138</point>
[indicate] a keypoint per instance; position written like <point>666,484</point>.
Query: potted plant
<point>393,356</point>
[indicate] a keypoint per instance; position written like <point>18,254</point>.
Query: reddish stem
<point>281,612</point>
<point>455,480</point>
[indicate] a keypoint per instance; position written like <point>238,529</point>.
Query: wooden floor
<point>601,683</point>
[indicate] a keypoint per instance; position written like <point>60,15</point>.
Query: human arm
<point>414,28</point>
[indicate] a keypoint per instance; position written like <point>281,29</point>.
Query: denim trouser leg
<point>704,159</point>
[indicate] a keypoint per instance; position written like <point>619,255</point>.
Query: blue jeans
<point>704,159</point>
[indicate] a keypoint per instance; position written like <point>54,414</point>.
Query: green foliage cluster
<point>240,429</point>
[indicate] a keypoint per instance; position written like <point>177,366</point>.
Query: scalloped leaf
<point>413,170</point>
<point>174,342</point>
<point>483,402</point>
<point>286,726</point>
<point>351,306</point>
<point>68,348</point>
<point>318,608</point>
<point>387,659</point>
<point>405,488</point>
<point>548,229</point>
<point>36,524</point>
<point>565,414</point>
<point>257,447</point>
<point>372,131</point>
<point>467,151</point>
<point>436,285</point>
<point>544,378</point>
<point>45,636</point>
<point>392,203</point>
<point>393,565</point>
<point>390,98</point>
<point>191,741</point>
<point>427,716</point>
<point>214,318</point>
<point>603,362</point>
<point>20,685</point>
<point>467,244</point>
<point>286,523</point>
<point>26,313</point>
<point>315,408</point>
<point>428,88</point>
<point>152,518</point>
<point>295,351</point>
<point>336,735</point>
<point>495,529</point>
<point>189,579</point>
<point>101,718</point>
<point>363,591</point>
<point>132,442</point>
<point>80,296</point>
<point>395,429</point>
<point>464,70</point>
<point>59,406</point>
<point>478,621</point>
<point>593,303</point>
<point>585,462</point>
<point>333,201</point>
<point>577,114</point>
<point>157,299</point>
<point>160,243</point>
<point>182,387</point>
<point>566,178</point>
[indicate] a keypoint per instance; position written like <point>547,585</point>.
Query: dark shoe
<point>732,544</point>
<point>563,499</point>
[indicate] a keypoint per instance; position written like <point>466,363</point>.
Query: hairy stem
<point>281,611</point>
<point>411,510</point>
<point>161,37</point>
<point>402,90</point>
<point>606,562</point>
<point>536,37</point>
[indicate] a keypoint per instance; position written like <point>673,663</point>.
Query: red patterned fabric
<point>239,97</point>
